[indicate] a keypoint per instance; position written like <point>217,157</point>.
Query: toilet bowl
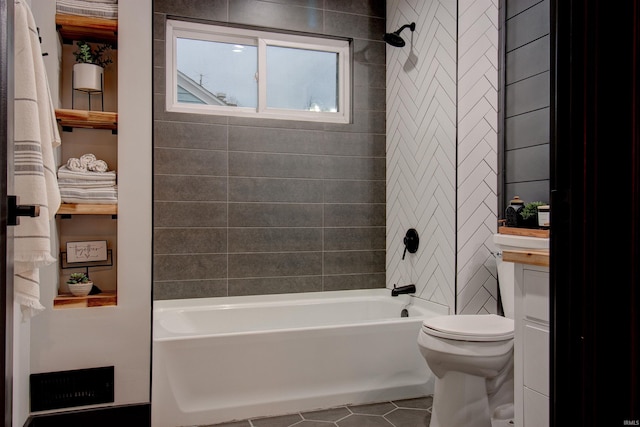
<point>472,359</point>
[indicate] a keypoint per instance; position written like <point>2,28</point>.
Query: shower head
<point>394,38</point>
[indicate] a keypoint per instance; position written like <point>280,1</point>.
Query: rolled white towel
<point>85,159</point>
<point>76,165</point>
<point>98,166</point>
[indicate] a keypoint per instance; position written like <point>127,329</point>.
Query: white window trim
<point>261,39</point>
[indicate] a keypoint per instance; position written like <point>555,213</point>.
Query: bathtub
<point>222,359</point>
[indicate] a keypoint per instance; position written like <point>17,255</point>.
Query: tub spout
<point>407,289</point>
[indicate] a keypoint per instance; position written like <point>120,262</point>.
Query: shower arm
<point>411,26</point>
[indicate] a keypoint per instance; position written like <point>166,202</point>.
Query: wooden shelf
<point>86,209</point>
<point>538,257</point>
<point>68,118</point>
<point>96,30</point>
<point>99,300</point>
<point>530,232</point>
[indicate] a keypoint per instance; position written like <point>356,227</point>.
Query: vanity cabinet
<point>531,350</point>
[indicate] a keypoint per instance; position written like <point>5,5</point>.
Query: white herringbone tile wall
<point>443,186</point>
<point>477,155</point>
<point>421,147</point>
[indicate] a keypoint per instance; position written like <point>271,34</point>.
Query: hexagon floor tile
<point>398,413</point>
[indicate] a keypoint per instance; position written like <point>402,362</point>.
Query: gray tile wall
<point>249,206</point>
<point>527,92</point>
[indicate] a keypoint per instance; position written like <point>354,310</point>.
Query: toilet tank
<point>506,283</point>
<point>506,278</point>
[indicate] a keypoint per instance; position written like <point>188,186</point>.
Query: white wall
<point>21,355</point>
<point>65,339</point>
<point>42,11</point>
<point>440,183</point>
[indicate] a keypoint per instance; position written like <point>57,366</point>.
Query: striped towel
<point>65,173</point>
<point>35,136</point>
<point>81,183</point>
<point>99,9</point>
<point>98,196</point>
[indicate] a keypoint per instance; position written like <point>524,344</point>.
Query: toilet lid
<point>470,327</point>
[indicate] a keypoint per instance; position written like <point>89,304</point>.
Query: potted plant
<point>88,72</point>
<point>529,214</point>
<point>79,284</point>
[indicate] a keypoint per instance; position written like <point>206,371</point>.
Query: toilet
<point>472,359</point>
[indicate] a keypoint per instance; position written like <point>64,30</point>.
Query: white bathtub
<point>222,359</point>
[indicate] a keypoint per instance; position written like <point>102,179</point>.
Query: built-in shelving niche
<point>96,30</point>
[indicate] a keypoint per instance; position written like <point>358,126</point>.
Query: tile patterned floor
<point>397,413</point>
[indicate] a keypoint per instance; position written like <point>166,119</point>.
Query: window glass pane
<point>216,73</point>
<point>300,79</point>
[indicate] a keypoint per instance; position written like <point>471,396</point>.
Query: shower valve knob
<point>411,242</point>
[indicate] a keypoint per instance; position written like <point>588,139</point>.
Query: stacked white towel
<point>96,8</point>
<point>87,180</point>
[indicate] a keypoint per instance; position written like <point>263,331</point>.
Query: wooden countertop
<point>538,257</point>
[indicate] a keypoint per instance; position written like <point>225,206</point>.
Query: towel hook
<point>40,39</point>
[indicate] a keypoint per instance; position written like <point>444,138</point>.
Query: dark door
<point>595,245</point>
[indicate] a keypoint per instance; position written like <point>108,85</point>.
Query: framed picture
<point>86,251</point>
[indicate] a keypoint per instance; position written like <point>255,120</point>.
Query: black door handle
<point>16,210</point>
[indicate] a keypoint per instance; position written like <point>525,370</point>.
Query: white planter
<point>87,77</point>
<point>80,289</point>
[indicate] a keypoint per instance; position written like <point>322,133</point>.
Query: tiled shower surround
<point>254,206</point>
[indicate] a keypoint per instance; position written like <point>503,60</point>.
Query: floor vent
<point>66,389</point>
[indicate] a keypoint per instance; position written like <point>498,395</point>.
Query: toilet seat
<point>470,327</point>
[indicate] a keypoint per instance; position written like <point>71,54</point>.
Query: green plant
<point>530,210</point>
<point>88,55</point>
<point>77,278</point>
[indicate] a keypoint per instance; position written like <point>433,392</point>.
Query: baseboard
<point>138,415</point>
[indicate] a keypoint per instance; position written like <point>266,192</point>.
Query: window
<point>239,72</point>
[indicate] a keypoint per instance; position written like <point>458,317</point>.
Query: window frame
<point>261,39</point>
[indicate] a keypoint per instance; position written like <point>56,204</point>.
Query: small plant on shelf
<point>79,284</point>
<point>77,278</point>
<point>529,214</point>
<point>91,62</point>
<point>530,209</point>
<point>98,55</point>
